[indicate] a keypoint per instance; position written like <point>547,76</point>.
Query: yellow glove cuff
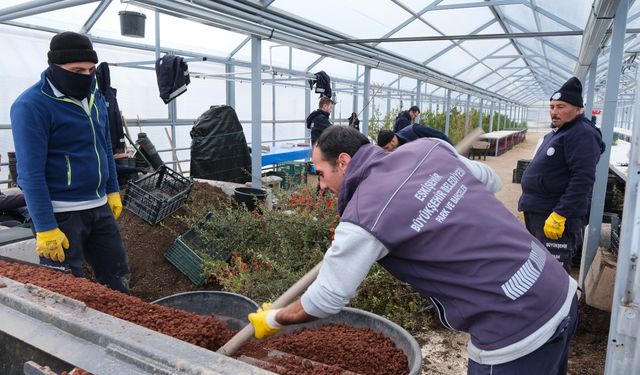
<point>265,323</point>
<point>557,218</point>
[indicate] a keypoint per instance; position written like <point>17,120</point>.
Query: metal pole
<point>355,90</point>
<point>365,111</point>
<point>491,117</point>
<point>466,115</point>
<point>591,86</point>
<point>273,112</point>
<point>389,103</point>
<point>499,115</point>
<point>447,117</point>
<point>622,352</point>
<point>230,85</point>
<point>592,238</point>
<point>256,111</point>
<point>480,108</point>
<point>333,113</point>
<point>307,111</point>
<point>418,93</point>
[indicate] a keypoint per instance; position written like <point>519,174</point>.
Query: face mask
<point>71,84</point>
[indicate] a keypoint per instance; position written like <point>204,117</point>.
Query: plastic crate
<point>158,195</point>
<point>183,253</point>
<point>293,174</point>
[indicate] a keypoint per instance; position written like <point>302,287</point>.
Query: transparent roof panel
<point>70,18</point>
<point>474,73</point>
<point>466,20</point>
<point>451,62</point>
<point>204,39</point>
<point>357,18</point>
<point>574,12</point>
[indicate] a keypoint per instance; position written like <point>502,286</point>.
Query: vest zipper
<point>93,130</point>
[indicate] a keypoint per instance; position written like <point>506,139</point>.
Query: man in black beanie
<point>65,165</point>
<point>557,184</point>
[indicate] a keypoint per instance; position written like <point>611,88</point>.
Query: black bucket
<point>230,308</point>
<point>249,196</point>
<point>132,24</point>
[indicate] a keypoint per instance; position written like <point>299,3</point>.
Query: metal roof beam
<point>546,42</point>
<point>527,34</point>
<point>484,58</point>
<point>104,4</point>
<point>551,16</point>
<point>457,43</point>
<point>38,6</point>
<point>288,29</point>
<point>479,4</point>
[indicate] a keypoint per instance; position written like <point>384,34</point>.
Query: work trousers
<point>94,237</point>
<point>549,359</point>
<point>565,247</point>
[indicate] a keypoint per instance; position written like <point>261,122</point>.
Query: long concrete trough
<point>55,331</point>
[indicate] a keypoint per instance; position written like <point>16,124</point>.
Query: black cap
<point>570,92</point>
<point>69,47</point>
<point>384,137</point>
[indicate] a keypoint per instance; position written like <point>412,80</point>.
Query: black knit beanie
<point>69,47</point>
<point>384,137</point>
<point>570,92</point>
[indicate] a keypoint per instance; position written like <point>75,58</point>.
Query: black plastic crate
<point>158,195</point>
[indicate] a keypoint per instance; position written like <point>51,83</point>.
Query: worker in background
<point>66,168</point>
<point>389,140</point>
<point>318,120</point>
<point>432,222</point>
<point>557,184</point>
<point>406,118</point>
<point>13,209</point>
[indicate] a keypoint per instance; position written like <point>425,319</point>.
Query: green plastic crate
<point>293,174</point>
<point>183,253</point>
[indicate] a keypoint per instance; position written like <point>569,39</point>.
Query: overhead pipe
<point>38,6</point>
<point>595,34</point>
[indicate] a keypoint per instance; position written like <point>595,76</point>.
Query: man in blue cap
<point>557,184</point>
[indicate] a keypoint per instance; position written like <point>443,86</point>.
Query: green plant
<point>272,250</point>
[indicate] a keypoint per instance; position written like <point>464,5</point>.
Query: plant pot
<point>132,24</point>
<point>249,197</point>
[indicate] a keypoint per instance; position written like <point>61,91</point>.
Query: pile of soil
<point>152,276</point>
<point>340,347</point>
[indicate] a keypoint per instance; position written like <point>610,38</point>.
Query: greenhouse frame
<point>497,58</point>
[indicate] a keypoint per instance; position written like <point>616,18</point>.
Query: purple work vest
<point>453,241</point>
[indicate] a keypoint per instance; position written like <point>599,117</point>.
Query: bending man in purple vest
<point>430,219</point>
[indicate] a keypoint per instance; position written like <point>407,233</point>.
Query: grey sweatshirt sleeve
<point>482,172</point>
<point>345,265</point>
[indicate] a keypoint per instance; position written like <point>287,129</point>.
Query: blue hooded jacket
<point>561,174</point>
<point>64,152</point>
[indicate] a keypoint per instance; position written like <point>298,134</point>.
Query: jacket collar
<point>357,171</point>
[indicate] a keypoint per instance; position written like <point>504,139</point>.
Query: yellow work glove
<point>554,226</point>
<point>51,244</point>
<point>115,204</point>
<point>264,322</point>
<point>521,215</point>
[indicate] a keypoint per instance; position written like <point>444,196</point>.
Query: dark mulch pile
<point>152,276</point>
<point>589,344</point>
